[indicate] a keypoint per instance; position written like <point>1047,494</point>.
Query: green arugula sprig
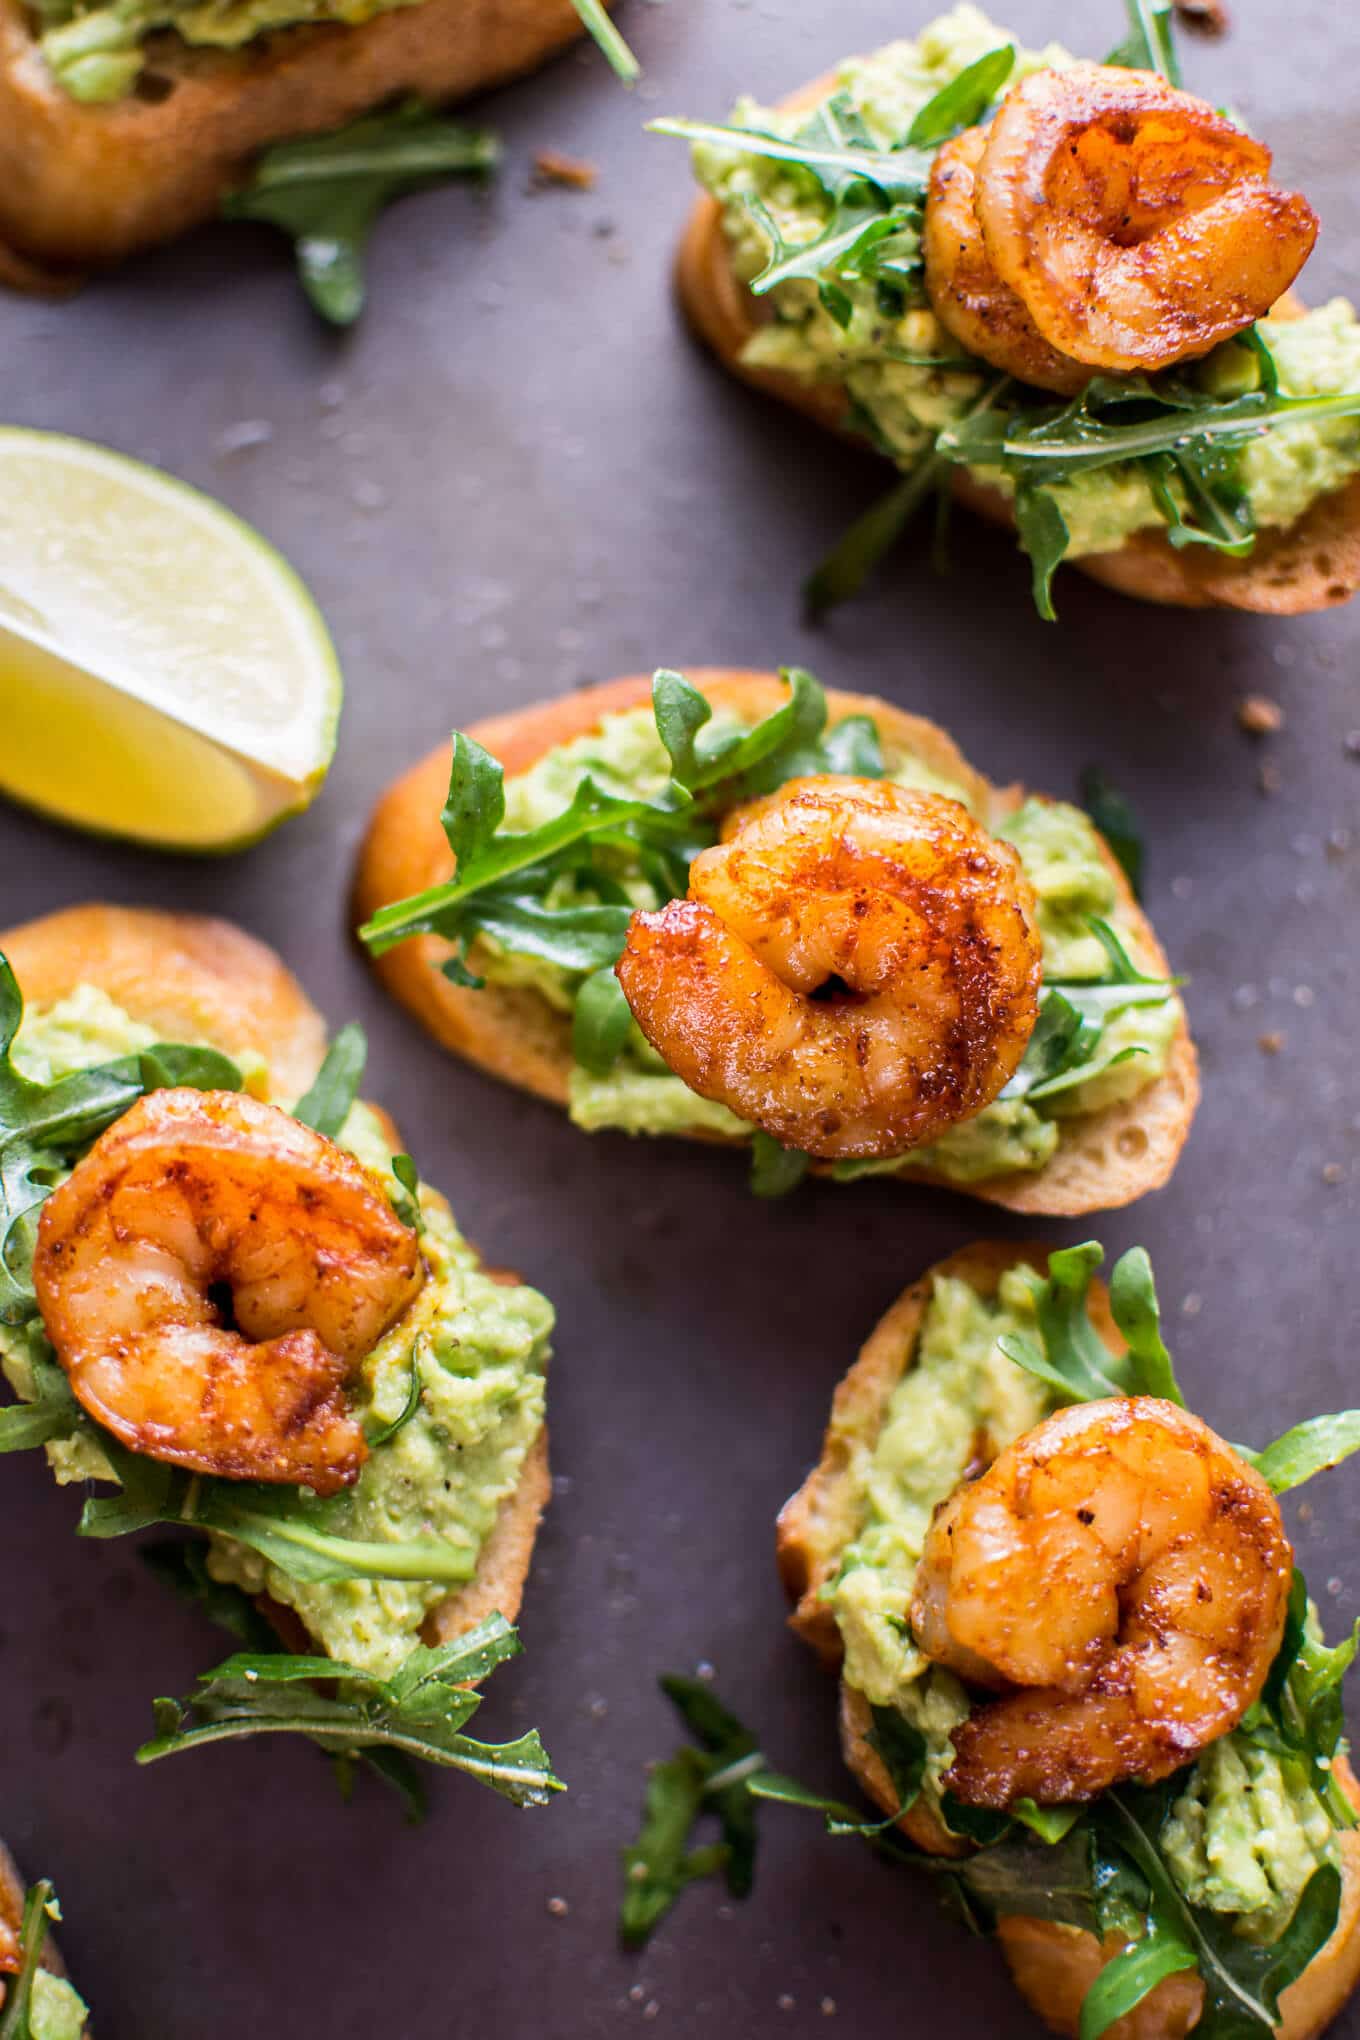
<point>42,1126</point>
<point>419,1712</point>
<point>40,1909</point>
<point>873,196</point>
<point>326,191</point>
<point>598,24</point>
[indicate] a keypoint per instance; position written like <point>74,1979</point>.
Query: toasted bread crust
<point>1053,1965</point>
<point>1310,565</point>
<point>1104,1160</point>
<point>187,975</point>
<point>84,186</point>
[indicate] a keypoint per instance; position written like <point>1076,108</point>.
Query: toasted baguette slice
<point>1106,1159</point>
<point>1312,564</point>
<point>1053,1965</point>
<point>196,979</point>
<point>83,186</point>
<point>12,1894</point>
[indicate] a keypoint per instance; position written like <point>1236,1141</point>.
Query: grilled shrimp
<point>1123,1576</point>
<point>855,969</point>
<point>1137,225</point>
<point>210,1275</point>
<point>970,300</point>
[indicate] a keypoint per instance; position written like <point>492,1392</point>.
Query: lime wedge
<point>164,674</point>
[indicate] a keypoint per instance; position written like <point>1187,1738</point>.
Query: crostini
<point>1076,1657</point>
<point>120,127</point>
<point>52,2008</point>
<point>1058,290</point>
<point>978,1000</point>
<point>226,1294</point>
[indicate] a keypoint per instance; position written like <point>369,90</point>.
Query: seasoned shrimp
<point>855,969</point>
<point>1124,1576</point>
<point>970,300</point>
<point>1136,224</point>
<point>210,1275</point>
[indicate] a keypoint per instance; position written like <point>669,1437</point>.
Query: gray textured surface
<point>568,491</point>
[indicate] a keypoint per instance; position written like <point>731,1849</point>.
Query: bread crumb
<point>1210,17</point>
<point>1333,1173</point>
<point>787,2003</point>
<point>1192,1305</point>
<point>1270,1044</point>
<point>559,1908</point>
<point>829,2007</point>
<point>1259,716</point>
<point>551,166</point>
<point>651,2008</point>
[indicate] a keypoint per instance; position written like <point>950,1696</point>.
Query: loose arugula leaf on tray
<point>326,191</point>
<point>1113,814</point>
<point>419,1712</point>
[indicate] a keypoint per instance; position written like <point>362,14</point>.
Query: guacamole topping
<point>882,355</point>
<point>1061,855</point>
<point>478,1348</point>
<point>57,2010</point>
<point>1247,1832</point>
<point>98,53</point>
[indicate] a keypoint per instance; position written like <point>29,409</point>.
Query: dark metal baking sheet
<point>517,477</point>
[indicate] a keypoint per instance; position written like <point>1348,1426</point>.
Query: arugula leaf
<point>326,191</point>
<point>289,1528</point>
<point>621,59</point>
<point>1114,816</point>
<point>406,1199</point>
<point>1045,537</point>
<point>710,1779</point>
<point>869,540</point>
<point>43,1126</point>
<point>1148,47</point>
<point>601,1022</point>
<point>1211,484</point>
<point>181,1566</point>
<point>40,1907</point>
<point>964,100</point>
<point>1130,1975</point>
<point>1073,1358</point>
<point>1242,1979</point>
<point>419,1712</point>
<point>326,1106</point>
<point>900,174</point>
<point>1307,1449</point>
<point>51,1412</point>
<point>775,1170</point>
<point>719,767</point>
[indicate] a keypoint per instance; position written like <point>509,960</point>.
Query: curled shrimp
<point>970,300</point>
<point>855,969</point>
<point>210,1275</point>
<point>1123,1576</point>
<point>1137,225</point>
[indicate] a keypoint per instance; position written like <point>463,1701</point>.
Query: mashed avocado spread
<point>98,53</point>
<point>1247,1832</point>
<point>878,356</point>
<point>479,1348</point>
<point>57,2011</point>
<point>1061,855</point>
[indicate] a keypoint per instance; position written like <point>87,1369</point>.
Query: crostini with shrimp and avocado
<point>1056,291</point>
<point>37,2001</point>
<point>1081,1675</point>
<point>228,1301</point>
<point>942,979</point>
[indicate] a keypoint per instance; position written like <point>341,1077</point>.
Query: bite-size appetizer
<point>37,2001</point>
<point>1058,290</point>
<point>227,1299</point>
<point>739,909</point>
<point>1077,1657</point>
